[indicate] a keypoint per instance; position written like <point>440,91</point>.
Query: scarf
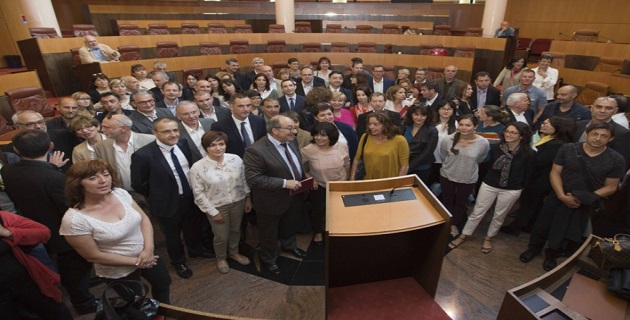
<point>514,72</point>
<point>504,163</point>
<point>544,140</point>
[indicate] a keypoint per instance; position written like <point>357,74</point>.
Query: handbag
<point>615,252</point>
<point>120,302</point>
<point>360,173</point>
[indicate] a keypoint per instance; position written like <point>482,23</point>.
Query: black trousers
<point>529,205</point>
<point>75,273</point>
<point>187,220</point>
<point>158,277</point>
<point>282,226</point>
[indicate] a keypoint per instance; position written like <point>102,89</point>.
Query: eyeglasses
<point>513,133</point>
<point>32,124</point>
<point>144,103</point>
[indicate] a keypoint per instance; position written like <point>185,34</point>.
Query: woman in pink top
<point>341,114</point>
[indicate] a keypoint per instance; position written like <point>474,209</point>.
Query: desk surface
<point>596,49</point>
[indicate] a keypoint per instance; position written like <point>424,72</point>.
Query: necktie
<point>246,139</point>
<point>294,169</point>
<point>180,172</point>
<point>291,103</point>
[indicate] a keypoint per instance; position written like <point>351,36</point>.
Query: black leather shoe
<point>183,271</point>
<point>298,253</point>
<point>203,252</point>
<point>549,264</point>
<point>273,268</point>
<point>528,255</point>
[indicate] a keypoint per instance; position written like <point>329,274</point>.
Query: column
<point>40,13</point>
<point>493,14</point>
<point>285,14</point>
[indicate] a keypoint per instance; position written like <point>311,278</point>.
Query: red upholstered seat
<point>442,30</point>
<point>333,28</point>
<point>129,30</point>
<point>190,28</point>
<point>210,48</point>
<point>167,49</point>
<point>155,29</point>
<point>243,28</point>
<point>275,46</point>
<point>82,30</point>
<point>43,33</point>
<point>216,28</point>
<point>129,53</point>
<point>30,98</point>
<point>239,46</point>
<point>276,28</point>
<point>303,27</point>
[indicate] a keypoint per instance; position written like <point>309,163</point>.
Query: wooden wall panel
<point>11,28</point>
<point>19,80</point>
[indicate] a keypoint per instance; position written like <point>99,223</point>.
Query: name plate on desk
<point>364,199</point>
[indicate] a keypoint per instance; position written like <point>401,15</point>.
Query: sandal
<point>487,245</point>
<point>454,231</point>
<point>455,243</point>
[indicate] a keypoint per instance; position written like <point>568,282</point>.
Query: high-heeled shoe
<point>455,243</point>
<point>487,245</point>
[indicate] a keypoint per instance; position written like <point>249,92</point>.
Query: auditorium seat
<point>585,35</point>
<point>608,64</point>
<point>474,32</point>
<point>537,47</point>
<point>190,28</point>
<point>239,46</point>
<point>129,53</point>
<point>366,47</point>
<point>277,66</point>
<point>303,27</point>
<point>276,28</point>
<point>242,28</point>
<point>442,30</point>
<point>276,46</point>
<point>312,47</point>
<point>339,47</point>
<point>167,49</point>
<point>43,33</point>
<point>522,46</point>
<point>82,30</point>
<point>389,72</point>
<point>333,28</point>
<point>129,30</point>
<point>389,28</point>
<point>559,59</point>
<point>157,28</point>
<point>210,48</point>
<point>425,49</point>
<point>216,28</point>
<point>196,71</point>
<point>76,59</point>
<point>591,91</point>
<point>434,73</point>
<point>364,28</point>
<point>30,98</point>
<point>465,52</point>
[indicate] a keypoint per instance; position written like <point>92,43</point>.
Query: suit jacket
<point>104,150</point>
<point>235,144</point>
<point>206,124</point>
<point>242,80</point>
<point>265,172</point>
<point>162,105</point>
<point>151,176</point>
<point>87,56</point>
<point>493,97</point>
<point>317,82</point>
<point>157,94</point>
<point>529,116</point>
<point>348,94</point>
<point>457,87</point>
<point>37,189</point>
<point>142,124</point>
<point>362,121</point>
<point>386,84</point>
<point>64,140</point>
<point>300,104</point>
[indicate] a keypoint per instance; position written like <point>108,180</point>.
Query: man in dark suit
<point>602,110</point>
<point>159,78</point>
<point>146,112</point>
<point>429,91</point>
<point>232,67</point>
<point>37,189</point>
<point>379,83</point>
<point>273,167</point>
<point>159,171</point>
<point>377,101</point>
<point>335,79</point>
<point>242,128</point>
<point>357,68</point>
<point>483,92</point>
<point>68,109</point>
<point>111,103</point>
<point>258,63</point>
<point>286,103</point>
<point>308,81</point>
<point>518,108</point>
<point>191,127</point>
<point>209,106</point>
<point>172,92</point>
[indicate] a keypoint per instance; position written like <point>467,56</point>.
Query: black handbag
<point>360,173</point>
<point>615,252</point>
<point>119,302</point>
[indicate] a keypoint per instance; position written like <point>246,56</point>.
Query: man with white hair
<point>93,51</point>
<point>519,110</point>
<point>258,63</point>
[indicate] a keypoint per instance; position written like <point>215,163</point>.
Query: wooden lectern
<point>385,249</point>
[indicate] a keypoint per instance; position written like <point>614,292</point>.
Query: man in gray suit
<point>191,127</point>
<point>273,167</point>
<point>146,112</point>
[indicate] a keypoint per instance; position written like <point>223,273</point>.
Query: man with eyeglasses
<point>159,171</point>
<point>273,168</point>
<point>93,51</point>
<point>242,128</point>
<point>146,112</point>
<point>379,83</point>
<point>449,85</point>
<point>518,109</point>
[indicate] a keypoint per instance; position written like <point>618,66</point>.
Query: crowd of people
<point>204,157</point>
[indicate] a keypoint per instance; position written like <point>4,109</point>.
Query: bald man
<point>93,51</point>
<point>565,106</point>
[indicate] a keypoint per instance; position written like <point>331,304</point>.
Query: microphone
<point>415,185</point>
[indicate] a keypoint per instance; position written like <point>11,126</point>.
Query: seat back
<point>29,98</point>
<point>129,30</point>
<point>364,28</point>
<point>82,30</point>
<point>333,28</point>
<point>442,30</point>
<point>473,32</point>
<point>608,64</point>
<point>190,28</point>
<point>155,29</point>
<point>425,49</point>
<point>276,46</point>
<point>389,28</point>
<point>390,72</point>
<point>76,59</point>
<point>591,91</point>
<point>303,27</point>
<point>239,46</point>
<point>276,28</point>
<point>167,49</point>
<point>242,28</point>
<point>43,33</point>
<point>210,48</point>
<point>523,43</point>
<point>129,53</point>
<point>339,47</point>
<point>585,35</point>
<point>434,73</point>
<point>537,47</point>
<point>465,52</point>
<point>216,28</point>
<point>312,47</point>
<point>366,47</point>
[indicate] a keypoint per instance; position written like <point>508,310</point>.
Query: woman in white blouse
<point>218,184</point>
<point>546,76</point>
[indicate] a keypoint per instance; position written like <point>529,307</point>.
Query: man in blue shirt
<point>538,99</point>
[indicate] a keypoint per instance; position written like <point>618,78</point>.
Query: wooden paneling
<point>615,50</point>
<point>178,23</point>
<point>619,83</point>
<point>379,24</point>
<point>19,80</point>
<point>11,29</point>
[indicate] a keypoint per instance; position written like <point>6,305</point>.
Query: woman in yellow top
<point>385,153</point>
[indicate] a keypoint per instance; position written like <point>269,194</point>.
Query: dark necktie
<point>291,103</point>
<point>246,139</point>
<point>180,172</point>
<point>294,169</point>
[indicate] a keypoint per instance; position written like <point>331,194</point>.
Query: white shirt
<point>378,86</point>
<point>196,136</point>
<point>520,117</point>
<point>307,87</point>
<point>547,84</point>
<point>123,163</point>
<point>183,162</point>
<point>211,116</point>
<point>430,102</point>
<point>248,128</point>
<point>283,154</point>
